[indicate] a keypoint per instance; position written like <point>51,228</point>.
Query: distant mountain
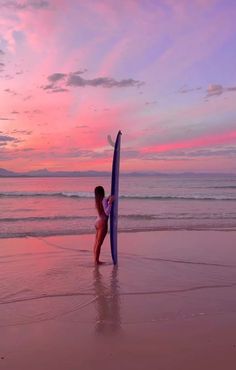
<point>41,172</point>
<point>6,173</point>
<point>45,173</point>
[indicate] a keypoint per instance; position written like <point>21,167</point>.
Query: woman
<point>103,206</point>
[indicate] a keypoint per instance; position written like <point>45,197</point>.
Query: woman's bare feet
<point>99,263</point>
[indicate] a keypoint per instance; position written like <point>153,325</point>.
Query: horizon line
<point>94,173</point>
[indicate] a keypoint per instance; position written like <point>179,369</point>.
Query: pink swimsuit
<point>107,209</point>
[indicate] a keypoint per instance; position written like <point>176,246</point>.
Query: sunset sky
<point>73,72</point>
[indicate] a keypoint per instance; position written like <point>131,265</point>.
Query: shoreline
<point>144,230</point>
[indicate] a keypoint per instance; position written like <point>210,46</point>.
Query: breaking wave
<point>87,195</point>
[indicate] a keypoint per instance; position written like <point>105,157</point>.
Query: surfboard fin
<point>110,141</point>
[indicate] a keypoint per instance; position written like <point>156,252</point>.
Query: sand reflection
<point>108,301</point>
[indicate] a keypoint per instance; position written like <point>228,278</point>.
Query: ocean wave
<point>16,194</point>
<point>87,195</point>
<point>179,216</point>
<point>134,217</point>
<point>179,197</point>
<point>43,233</point>
<point>46,218</point>
<point>224,187</point>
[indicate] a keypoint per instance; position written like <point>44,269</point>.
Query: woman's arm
<point>107,204</point>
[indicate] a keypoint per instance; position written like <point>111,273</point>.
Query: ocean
<point>65,206</point>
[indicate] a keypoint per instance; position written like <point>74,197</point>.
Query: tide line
<point>157,292</point>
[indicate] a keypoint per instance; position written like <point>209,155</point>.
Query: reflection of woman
<point>108,304</point>
<point>103,206</point>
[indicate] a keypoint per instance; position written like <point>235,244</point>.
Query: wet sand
<point>170,303</point>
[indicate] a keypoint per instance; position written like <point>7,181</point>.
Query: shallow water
<point>160,276</point>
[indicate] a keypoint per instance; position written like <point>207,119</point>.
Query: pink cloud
<point>204,141</point>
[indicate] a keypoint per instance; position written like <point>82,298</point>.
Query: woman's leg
<point>100,236</point>
<point>95,241</point>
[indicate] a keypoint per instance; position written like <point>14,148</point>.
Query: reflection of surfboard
<point>115,193</point>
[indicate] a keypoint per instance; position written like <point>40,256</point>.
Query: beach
<point>117,121</point>
<point>169,304</point>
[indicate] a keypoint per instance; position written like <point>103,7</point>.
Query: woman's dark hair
<point>99,195</point>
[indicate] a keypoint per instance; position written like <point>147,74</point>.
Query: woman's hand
<point>111,199</point>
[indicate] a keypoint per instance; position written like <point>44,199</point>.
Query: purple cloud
<point>231,88</point>
<point>6,138</point>
<point>213,90</point>
<point>56,77</point>
<point>185,90</point>
<point>5,119</point>
<point>75,80</point>
<point>216,90</point>
<point>10,91</point>
<point>22,132</point>
<point>15,5</point>
<point>59,81</point>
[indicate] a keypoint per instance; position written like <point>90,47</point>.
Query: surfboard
<point>115,193</point>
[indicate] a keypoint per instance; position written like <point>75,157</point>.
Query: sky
<point>161,71</point>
